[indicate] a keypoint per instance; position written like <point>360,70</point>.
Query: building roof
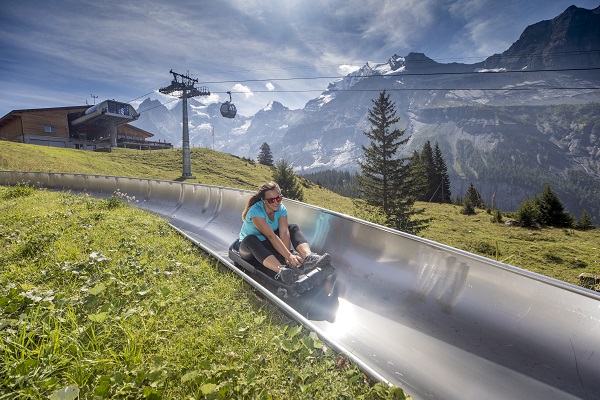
<point>17,113</point>
<point>135,128</point>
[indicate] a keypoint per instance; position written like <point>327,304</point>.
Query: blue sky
<point>60,53</point>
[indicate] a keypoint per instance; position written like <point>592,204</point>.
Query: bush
<point>497,216</point>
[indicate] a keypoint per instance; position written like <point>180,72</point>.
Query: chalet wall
<point>47,141</point>
<point>34,122</point>
<point>13,130</point>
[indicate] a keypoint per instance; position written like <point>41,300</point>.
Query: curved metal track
<point>440,322</point>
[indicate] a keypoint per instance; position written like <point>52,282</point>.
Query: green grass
<point>105,300</point>
<point>102,300</point>
<point>559,253</point>
<point>208,166</point>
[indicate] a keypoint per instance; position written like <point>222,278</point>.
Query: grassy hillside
<point>560,253</point>
<point>208,166</point>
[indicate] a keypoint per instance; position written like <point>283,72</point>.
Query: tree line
<point>545,210</point>
<point>387,186</point>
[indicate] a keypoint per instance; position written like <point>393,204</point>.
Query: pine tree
<point>467,208</point>
<point>288,182</point>
<point>265,157</point>
<point>552,210</point>
<point>474,197</point>
<point>443,194</point>
<point>385,181</point>
<point>418,173</point>
<point>430,173</point>
<point>528,214</point>
<point>585,222</point>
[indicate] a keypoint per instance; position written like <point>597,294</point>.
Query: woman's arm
<point>284,231</point>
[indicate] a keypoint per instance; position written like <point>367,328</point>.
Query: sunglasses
<point>274,199</point>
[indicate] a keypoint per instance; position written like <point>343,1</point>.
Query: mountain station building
<point>98,127</point>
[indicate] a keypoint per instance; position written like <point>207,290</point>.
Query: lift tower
<point>183,87</point>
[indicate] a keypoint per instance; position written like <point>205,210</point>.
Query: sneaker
<point>288,275</point>
<point>314,260</point>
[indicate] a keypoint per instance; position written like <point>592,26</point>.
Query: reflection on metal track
<point>439,322</point>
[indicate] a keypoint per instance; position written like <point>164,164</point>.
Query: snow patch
<point>490,69</point>
<point>269,106</point>
<point>525,83</point>
<point>313,145</point>
<point>477,96</point>
<point>325,98</point>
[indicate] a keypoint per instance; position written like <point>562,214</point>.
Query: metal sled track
<point>439,322</point>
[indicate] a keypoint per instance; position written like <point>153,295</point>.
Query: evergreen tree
<point>385,181</point>
<point>265,157</point>
<point>443,194</point>
<point>467,208</point>
<point>287,180</point>
<point>552,210</point>
<point>418,173</point>
<point>528,214</point>
<point>585,222</point>
<point>474,196</point>
<point>428,167</point>
<point>341,182</point>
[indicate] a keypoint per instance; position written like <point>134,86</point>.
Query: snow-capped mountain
<point>480,119</point>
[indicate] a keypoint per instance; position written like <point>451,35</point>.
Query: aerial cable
<point>396,90</point>
<point>402,74</point>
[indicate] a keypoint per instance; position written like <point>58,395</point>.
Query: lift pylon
<point>184,87</point>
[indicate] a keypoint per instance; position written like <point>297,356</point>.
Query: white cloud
<point>347,69</point>
<point>239,88</point>
<point>210,99</point>
<point>270,86</point>
<point>397,23</point>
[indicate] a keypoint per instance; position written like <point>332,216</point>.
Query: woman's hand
<point>294,260</point>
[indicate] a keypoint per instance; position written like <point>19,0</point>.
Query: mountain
<point>568,41</point>
<point>507,133</point>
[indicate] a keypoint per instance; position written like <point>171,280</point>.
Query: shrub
<point>497,216</point>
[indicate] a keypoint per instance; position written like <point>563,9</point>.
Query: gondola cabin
<point>228,110</point>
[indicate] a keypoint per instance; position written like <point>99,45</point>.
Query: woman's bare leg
<point>303,249</point>
<point>272,263</point>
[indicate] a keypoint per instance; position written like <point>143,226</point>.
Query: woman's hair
<point>258,196</point>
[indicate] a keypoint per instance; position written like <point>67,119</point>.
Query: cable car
<point>228,109</point>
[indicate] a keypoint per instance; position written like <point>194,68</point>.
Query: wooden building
<point>97,127</point>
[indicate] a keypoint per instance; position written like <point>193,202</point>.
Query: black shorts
<point>252,246</point>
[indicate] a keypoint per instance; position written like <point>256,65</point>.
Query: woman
<point>266,236</point>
